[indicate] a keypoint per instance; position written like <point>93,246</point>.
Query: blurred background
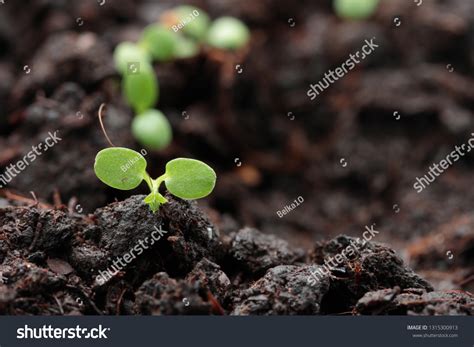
<point>353,153</point>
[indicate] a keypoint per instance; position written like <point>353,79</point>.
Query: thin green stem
<point>148,181</point>
<point>157,182</point>
<point>154,199</point>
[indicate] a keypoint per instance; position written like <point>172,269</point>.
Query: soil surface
<point>352,155</point>
<point>58,262</point>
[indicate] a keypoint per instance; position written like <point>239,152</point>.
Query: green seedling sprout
<point>185,178</point>
<point>180,35</point>
<point>141,88</point>
<point>355,9</point>
<point>228,33</point>
<point>185,48</point>
<point>152,129</point>
<point>159,41</point>
<point>196,21</point>
<point>127,52</point>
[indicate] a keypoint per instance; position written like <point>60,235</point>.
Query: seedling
<point>179,35</point>
<point>191,21</point>
<point>355,9</point>
<point>185,48</point>
<point>141,88</point>
<point>152,129</point>
<point>128,52</point>
<point>228,33</point>
<point>159,41</point>
<point>185,178</point>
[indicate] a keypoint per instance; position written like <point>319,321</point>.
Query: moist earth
<point>52,261</point>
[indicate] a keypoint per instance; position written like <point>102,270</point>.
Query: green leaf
<point>152,129</point>
<point>141,88</point>
<point>228,33</point>
<point>185,48</point>
<point>154,200</point>
<point>194,21</point>
<point>120,168</point>
<point>128,53</point>
<point>355,9</point>
<point>189,178</point>
<point>159,41</point>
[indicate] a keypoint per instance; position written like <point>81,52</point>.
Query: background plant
<point>355,9</point>
<point>180,33</point>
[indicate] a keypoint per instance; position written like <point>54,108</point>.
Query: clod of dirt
<point>31,279</point>
<point>212,278</point>
<point>37,276</point>
<point>284,290</point>
<point>164,295</point>
<point>31,229</point>
<point>395,301</point>
<point>87,258</point>
<point>124,224</point>
<point>257,252</point>
<point>69,250</point>
<point>30,289</point>
<point>373,267</point>
<point>59,266</point>
<point>177,235</point>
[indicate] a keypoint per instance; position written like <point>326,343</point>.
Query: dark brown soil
<point>52,261</point>
<point>233,254</point>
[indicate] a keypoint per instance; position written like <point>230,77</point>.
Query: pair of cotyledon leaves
<point>125,169</point>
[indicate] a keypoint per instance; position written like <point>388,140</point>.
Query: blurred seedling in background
<point>228,33</point>
<point>228,39</point>
<point>180,34</point>
<point>227,44</point>
<point>355,9</point>
<point>141,90</point>
<point>185,178</point>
